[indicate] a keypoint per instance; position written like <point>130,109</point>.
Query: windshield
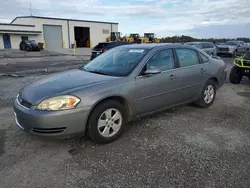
<point>149,35</point>
<point>231,43</point>
<point>116,62</point>
<point>31,42</point>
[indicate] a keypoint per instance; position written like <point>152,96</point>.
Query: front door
<point>6,41</point>
<point>157,91</point>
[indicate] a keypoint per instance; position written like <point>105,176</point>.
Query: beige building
<point>55,33</point>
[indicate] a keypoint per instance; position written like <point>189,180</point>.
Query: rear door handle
<point>172,77</point>
<point>203,70</point>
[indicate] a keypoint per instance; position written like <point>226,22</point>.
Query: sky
<point>197,18</point>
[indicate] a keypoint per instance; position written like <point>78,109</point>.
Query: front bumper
<point>51,123</point>
<point>225,52</point>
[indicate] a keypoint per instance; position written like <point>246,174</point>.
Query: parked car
<point>207,47</point>
<point>29,45</point>
<point>121,85</point>
<point>105,46</point>
<point>233,48</point>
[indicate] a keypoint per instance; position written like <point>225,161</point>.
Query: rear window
<point>101,45</point>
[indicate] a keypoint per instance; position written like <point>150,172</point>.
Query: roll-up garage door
<point>52,36</point>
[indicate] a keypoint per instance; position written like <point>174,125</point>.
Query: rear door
<point>157,91</point>
<point>192,71</point>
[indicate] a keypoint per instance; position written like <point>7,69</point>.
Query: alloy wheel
<point>109,123</point>
<point>209,94</point>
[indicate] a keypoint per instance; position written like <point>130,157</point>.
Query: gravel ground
<point>181,147</point>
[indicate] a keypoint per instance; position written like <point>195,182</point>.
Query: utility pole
<point>30,10</point>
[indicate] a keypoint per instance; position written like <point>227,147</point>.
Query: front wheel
<point>207,95</point>
<point>236,75</point>
<point>106,122</point>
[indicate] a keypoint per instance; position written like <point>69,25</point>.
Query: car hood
<point>227,46</point>
<point>60,83</point>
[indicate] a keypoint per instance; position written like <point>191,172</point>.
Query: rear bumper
<point>48,123</point>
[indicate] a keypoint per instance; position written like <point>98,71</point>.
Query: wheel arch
<point>121,99</point>
<point>215,80</point>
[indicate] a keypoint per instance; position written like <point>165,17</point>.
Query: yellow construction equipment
<point>115,36</point>
<point>134,37</point>
<point>151,38</point>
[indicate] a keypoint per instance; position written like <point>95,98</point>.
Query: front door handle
<point>172,77</point>
<point>203,70</point>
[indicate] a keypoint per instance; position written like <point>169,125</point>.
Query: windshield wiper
<point>97,72</point>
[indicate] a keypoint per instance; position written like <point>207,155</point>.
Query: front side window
<point>116,62</point>
<point>187,57</point>
<point>162,60</point>
<point>204,58</point>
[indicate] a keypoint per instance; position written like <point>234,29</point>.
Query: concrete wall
<point>20,28</point>
<point>96,34</point>
<point>15,41</point>
<point>39,26</point>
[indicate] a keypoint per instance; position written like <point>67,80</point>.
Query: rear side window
<point>187,57</point>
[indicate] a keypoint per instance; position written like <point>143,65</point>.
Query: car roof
<point>192,42</point>
<point>151,46</point>
<point>196,42</point>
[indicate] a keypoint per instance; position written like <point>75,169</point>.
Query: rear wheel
<point>236,75</point>
<point>106,122</point>
<point>207,95</point>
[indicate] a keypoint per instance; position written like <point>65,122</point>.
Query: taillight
<point>104,50</point>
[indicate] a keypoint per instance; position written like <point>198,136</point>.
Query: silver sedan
<point>120,85</point>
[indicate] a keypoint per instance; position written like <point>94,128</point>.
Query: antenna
<point>30,10</point>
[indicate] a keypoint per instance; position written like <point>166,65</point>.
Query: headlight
<point>59,103</point>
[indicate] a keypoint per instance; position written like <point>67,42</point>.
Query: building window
<point>24,38</point>
<point>105,31</point>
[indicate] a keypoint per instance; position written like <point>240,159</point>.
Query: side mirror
<point>151,71</point>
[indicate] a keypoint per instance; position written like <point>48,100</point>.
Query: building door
<point>6,41</point>
<point>53,36</point>
<point>82,37</point>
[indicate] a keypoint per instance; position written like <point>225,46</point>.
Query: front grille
<point>24,103</point>
<point>48,130</point>
<point>223,49</point>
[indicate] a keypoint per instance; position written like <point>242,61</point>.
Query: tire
<point>202,100</point>
<point>97,134</point>
<point>235,75</point>
<point>26,48</point>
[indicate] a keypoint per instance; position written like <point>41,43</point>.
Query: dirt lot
<point>182,147</point>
